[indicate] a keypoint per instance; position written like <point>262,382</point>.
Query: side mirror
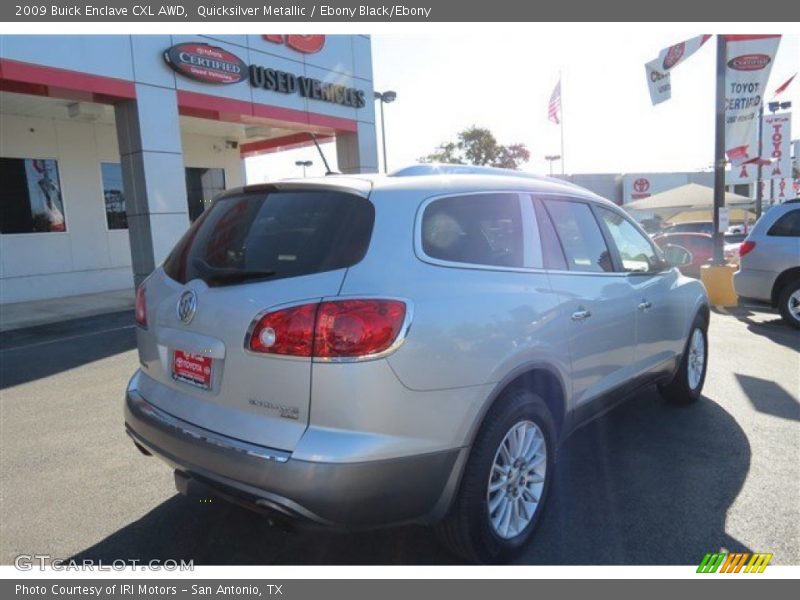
<point>677,256</point>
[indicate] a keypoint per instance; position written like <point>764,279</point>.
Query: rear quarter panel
<point>471,327</point>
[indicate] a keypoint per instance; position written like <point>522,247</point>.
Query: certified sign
<point>206,63</point>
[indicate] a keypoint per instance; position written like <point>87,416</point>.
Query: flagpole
<point>759,170</point>
<point>562,120</point>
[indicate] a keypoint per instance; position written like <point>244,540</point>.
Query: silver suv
<point>372,350</point>
<point>769,261</point>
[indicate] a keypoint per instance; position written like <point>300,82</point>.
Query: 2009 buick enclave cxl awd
<point>372,350</point>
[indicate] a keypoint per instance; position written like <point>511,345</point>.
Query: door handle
<point>581,315</point>
<point>644,305</point>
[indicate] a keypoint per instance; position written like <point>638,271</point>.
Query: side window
<point>787,226</point>
<point>553,255</point>
<point>31,199</point>
<point>580,236</point>
<point>114,195</point>
<point>635,250</point>
<point>481,229</point>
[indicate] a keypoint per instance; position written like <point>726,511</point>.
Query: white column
<point>148,132</point>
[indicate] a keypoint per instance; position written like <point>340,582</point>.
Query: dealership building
<point>111,145</point>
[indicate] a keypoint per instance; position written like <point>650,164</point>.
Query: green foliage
<point>478,146</point>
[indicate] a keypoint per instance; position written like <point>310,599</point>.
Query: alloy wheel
<point>516,480</point>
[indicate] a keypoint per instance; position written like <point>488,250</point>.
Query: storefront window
<point>201,187</point>
<point>114,195</point>
<point>30,196</point>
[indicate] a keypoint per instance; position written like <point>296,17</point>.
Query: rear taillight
<point>746,247</point>
<point>141,307</point>
<point>289,331</point>
<point>352,328</point>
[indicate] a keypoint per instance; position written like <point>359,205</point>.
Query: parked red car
<point>699,245</point>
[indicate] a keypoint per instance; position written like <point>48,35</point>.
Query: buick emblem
<point>187,306</point>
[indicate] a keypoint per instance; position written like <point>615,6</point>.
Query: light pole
<point>385,98</point>
<point>304,164</point>
<point>551,158</point>
<point>719,150</point>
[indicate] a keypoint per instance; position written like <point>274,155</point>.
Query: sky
<point>502,79</point>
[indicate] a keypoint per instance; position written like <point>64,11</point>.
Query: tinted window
<point>553,255</point>
<point>580,236</point>
<point>271,235</point>
<point>202,185</point>
<point>481,229</point>
<point>114,195</point>
<point>787,226</point>
<point>635,250</point>
<point>30,196</point>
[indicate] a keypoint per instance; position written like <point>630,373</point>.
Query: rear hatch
<point>252,251</point>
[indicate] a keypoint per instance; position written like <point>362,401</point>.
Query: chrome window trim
<point>529,254</point>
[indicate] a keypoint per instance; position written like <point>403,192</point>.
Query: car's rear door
<point>597,307</point>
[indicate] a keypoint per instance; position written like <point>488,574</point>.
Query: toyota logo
<point>641,185</point>
<point>187,306</point>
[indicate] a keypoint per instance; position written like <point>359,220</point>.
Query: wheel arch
<point>703,311</point>
<point>782,279</point>
<point>540,377</point>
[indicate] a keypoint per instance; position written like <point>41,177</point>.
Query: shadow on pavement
<point>772,327</point>
<point>649,483</point>
<point>770,398</point>
<point>36,352</point>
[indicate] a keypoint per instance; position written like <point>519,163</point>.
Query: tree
<point>478,146</point>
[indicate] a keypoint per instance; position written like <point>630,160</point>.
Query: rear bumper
<point>755,284</point>
<point>352,495</point>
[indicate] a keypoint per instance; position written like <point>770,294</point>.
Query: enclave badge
<point>187,306</point>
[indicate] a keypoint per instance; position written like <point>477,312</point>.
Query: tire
<point>789,303</point>
<point>686,388</point>
<point>468,530</point>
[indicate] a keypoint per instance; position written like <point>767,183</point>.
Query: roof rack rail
<point>420,170</point>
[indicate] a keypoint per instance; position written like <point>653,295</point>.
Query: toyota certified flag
<point>671,57</point>
<point>748,60</point>
<point>658,82</point>
<point>658,69</point>
<point>777,145</point>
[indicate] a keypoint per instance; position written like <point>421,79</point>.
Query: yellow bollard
<point>718,280</point>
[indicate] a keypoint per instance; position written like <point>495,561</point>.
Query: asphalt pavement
<point>649,483</point>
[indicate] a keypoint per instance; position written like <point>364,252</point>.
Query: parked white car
<point>769,268</point>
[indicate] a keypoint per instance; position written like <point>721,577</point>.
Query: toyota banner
<point>748,62</point>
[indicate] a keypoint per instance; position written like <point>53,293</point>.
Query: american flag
<point>554,108</point>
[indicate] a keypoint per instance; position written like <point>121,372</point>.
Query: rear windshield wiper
<point>236,276</point>
<point>232,274</point>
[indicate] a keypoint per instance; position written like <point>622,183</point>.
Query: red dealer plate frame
<point>194,369</point>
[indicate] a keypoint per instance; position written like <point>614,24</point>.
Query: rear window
<point>787,226</point>
<point>271,235</point>
<point>478,229</point>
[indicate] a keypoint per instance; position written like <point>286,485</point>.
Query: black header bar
<point>366,11</point>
